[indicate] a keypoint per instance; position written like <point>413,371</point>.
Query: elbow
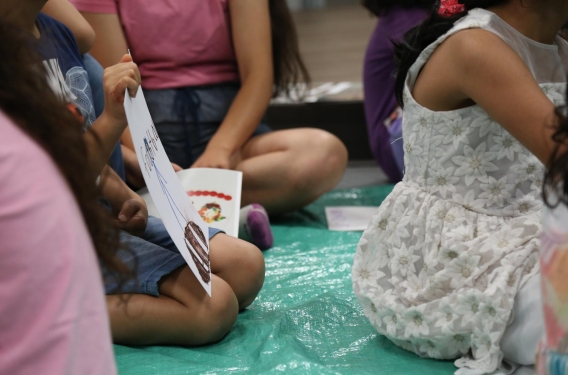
<point>85,38</point>
<point>268,90</point>
<point>261,79</point>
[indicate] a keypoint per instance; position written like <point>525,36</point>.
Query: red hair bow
<point>449,8</point>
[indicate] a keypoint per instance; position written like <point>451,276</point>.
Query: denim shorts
<point>153,256</point>
<point>187,118</point>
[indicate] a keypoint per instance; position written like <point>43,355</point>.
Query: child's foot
<point>255,226</point>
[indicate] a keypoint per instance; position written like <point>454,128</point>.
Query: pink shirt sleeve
<point>96,6</point>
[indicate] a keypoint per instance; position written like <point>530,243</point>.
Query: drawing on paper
<point>215,206</point>
<point>194,236</point>
<point>198,249</point>
<point>178,214</point>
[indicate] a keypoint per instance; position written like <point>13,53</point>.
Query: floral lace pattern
<point>438,268</point>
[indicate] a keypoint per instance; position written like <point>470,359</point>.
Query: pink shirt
<point>176,43</point>
<point>53,317</point>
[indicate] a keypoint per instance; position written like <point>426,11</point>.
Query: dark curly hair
<point>27,99</point>
<point>377,7</point>
<point>555,186</point>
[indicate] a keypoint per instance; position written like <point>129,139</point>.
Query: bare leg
<point>285,170</point>
<point>184,314</point>
<point>240,264</point>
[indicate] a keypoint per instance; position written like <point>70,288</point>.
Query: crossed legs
<point>183,313</point>
<point>288,169</point>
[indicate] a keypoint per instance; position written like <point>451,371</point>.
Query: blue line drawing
<point>199,255</point>
<point>150,164</point>
<point>175,209</point>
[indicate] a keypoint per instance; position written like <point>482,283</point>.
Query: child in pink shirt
<point>53,312</point>
<point>53,316</point>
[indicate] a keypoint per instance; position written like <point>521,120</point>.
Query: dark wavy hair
<point>28,100</point>
<point>420,37</point>
<point>289,68</point>
<point>555,186</point>
<point>377,7</point>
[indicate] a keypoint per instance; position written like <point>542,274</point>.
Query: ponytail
<point>420,37</point>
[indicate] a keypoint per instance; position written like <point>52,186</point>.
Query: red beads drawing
<point>208,193</point>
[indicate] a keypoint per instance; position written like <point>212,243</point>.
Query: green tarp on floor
<point>306,319</point>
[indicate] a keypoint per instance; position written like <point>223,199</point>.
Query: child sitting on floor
<point>451,256</point>
<point>166,303</point>
<point>54,318</point>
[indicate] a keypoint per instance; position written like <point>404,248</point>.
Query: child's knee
<point>326,159</point>
<point>253,266</point>
<point>253,260</point>
<point>221,312</point>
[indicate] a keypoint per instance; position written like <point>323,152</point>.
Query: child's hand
<point>116,79</point>
<point>214,158</point>
<point>133,216</point>
<point>176,167</point>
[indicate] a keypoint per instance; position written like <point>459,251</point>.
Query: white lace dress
<point>438,268</point>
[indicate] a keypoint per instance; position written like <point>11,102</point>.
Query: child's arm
<point>127,206</point>
<point>111,42</point>
<point>132,169</point>
<point>108,48</point>
<point>250,29</point>
<point>105,132</point>
<point>64,12</point>
<point>103,135</point>
<point>476,66</point>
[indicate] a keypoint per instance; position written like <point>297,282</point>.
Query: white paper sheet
<point>215,193</point>
<point>188,231</point>
<point>349,218</point>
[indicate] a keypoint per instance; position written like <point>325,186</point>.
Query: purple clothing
<point>378,82</point>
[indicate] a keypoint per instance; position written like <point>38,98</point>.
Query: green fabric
<point>305,320</point>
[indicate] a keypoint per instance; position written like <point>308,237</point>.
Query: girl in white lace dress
<point>444,263</point>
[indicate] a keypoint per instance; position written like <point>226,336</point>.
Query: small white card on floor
<point>349,218</point>
<point>215,193</point>
<point>181,219</point>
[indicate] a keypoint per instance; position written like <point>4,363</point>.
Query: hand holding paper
<point>116,80</point>
<point>184,225</point>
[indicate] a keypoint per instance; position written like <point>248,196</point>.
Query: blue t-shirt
<point>65,70</point>
<point>69,79</point>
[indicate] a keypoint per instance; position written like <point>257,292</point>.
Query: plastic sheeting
<point>306,318</point>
